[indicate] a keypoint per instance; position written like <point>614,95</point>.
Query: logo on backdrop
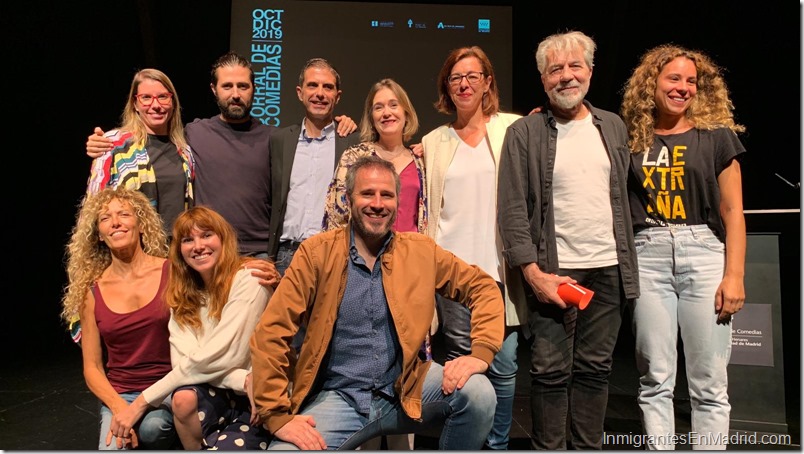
<point>266,61</point>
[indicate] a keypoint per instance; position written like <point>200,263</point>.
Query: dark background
<point>410,56</point>
<point>68,66</point>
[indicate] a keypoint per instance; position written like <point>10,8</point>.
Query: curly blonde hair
<point>711,108</point>
<point>87,257</point>
<point>186,291</point>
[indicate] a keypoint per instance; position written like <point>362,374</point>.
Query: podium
<point>757,391</point>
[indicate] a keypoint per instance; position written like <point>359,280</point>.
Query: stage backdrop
<point>365,42</point>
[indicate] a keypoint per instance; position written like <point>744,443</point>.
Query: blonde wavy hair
<point>186,291</point>
<point>87,257</point>
<point>368,133</point>
<point>711,108</point>
<point>131,121</point>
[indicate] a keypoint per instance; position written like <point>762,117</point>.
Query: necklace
<point>389,155</point>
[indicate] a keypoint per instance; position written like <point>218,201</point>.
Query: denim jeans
<point>571,358</point>
<point>464,417</point>
<point>454,319</point>
<point>680,269</point>
<point>154,431</point>
<point>284,255</point>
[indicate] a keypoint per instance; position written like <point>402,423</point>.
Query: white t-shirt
<point>581,197</point>
<point>467,226</point>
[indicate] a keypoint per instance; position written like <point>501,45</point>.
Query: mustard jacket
<point>413,269</point>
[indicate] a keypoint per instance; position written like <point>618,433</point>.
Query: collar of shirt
<point>355,256</point>
<point>327,133</point>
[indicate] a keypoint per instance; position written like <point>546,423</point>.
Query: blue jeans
<point>154,431</point>
<point>454,319</point>
<point>571,358</point>
<point>464,417</point>
<point>680,269</point>
<point>284,255</point>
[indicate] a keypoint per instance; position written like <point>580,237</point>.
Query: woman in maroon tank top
<point>117,274</point>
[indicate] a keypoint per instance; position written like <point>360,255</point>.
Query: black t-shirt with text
<point>675,183</point>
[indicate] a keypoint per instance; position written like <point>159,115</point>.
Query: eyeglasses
<point>473,77</point>
<point>164,99</point>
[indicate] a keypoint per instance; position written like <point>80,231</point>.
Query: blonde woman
<point>117,275</point>
<point>389,121</point>
<point>149,151</point>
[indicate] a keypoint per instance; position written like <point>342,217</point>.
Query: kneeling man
<point>366,294</point>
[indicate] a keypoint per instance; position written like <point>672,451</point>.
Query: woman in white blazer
<point>461,159</point>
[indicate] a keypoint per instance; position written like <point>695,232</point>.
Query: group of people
<point>257,288</point>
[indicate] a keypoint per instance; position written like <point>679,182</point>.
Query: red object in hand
<point>575,295</point>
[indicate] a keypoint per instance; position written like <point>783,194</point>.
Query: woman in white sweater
<point>215,303</point>
<point>461,159</point>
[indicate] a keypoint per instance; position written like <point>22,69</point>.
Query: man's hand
<point>97,144</point>
<point>346,125</point>
<point>265,271</point>
<point>544,285</point>
<point>458,371</point>
<point>301,432</point>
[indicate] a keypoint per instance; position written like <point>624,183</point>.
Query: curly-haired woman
<point>686,205</point>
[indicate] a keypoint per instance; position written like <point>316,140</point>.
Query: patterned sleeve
<point>102,173</point>
<point>336,209</point>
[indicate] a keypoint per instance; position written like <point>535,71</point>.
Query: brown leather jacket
<point>414,268</point>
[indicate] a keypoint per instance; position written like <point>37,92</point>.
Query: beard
<point>368,232</point>
<point>567,102</point>
<point>234,111</point>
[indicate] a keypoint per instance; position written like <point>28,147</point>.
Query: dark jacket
<point>525,193</point>
<point>283,151</point>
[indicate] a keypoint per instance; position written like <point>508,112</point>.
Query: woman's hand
<point>729,298</point>
<point>265,271</point>
<point>97,144</point>
<point>124,443</point>
<point>254,420</point>
<point>123,421</point>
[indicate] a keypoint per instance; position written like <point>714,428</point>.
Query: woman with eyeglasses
<point>462,158</point>
<point>149,151</point>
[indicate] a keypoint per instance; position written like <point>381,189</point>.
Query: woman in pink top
<point>117,275</point>
<point>389,121</point>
